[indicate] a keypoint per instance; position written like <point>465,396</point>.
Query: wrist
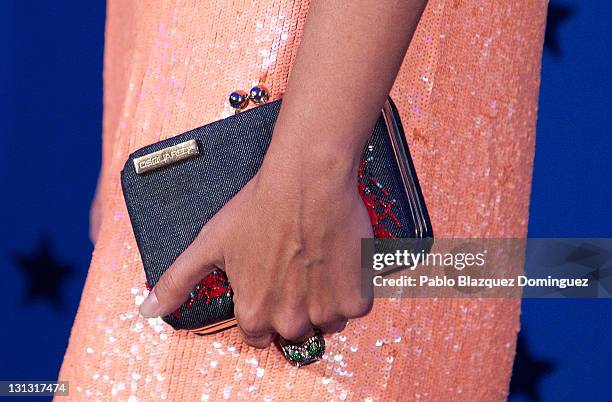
<point>310,161</point>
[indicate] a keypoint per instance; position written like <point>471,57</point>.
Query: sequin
<point>470,126</point>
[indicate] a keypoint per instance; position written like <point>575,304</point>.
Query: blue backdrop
<point>50,128</point>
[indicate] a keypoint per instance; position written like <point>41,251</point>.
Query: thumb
<point>199,259</point>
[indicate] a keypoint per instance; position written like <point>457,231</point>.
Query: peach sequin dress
<point>467,94</point>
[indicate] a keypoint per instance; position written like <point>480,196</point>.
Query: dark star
<point>557,14</point>
<point>528,371</point>
<point>44,274</point>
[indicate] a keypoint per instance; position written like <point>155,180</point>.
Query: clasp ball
<point>239,99</point>
<point>259,94</point>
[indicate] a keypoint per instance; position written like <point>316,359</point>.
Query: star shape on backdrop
<point>44,275</point>
<point>557,15</point>
<point>528,371</point>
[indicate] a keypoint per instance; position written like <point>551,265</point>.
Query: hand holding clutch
<point>286,227</point>
<point>289,244</point>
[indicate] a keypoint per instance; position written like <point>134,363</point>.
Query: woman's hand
<point>289,242</point>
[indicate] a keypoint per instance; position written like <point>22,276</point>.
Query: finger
<point>334,326</point>
<point>252,323</point>
<point>358,307</point>
<point>294,329</point>
<point>325,316</point>
<point>260,341</point>
<point>327,320</point>
<point>199,259</point>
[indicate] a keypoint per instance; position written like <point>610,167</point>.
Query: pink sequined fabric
<point>467,94</point>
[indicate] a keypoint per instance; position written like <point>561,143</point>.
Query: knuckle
<point>260,342</point>
<point>333,327</point>
<point>168,284</point>
<point>249,321</point>
<point>321,316</point>
<point>359,307</point>
<point>293,329</point>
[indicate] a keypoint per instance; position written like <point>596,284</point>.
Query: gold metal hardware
<point>166,156</point>
<point>216,327</point>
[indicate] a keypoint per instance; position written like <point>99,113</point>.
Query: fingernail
<point>150,306</point>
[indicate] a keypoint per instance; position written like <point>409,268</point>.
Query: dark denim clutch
<point>173,187</point>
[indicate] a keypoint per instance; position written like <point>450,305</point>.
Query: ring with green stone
<point>302,353</point>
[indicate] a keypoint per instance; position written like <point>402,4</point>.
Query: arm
<point>347,62</point>
<point>289,240</point>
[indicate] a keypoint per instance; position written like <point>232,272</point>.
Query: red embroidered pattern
<point>376,199</point>
<point>212,286</point>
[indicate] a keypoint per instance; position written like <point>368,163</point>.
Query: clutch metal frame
<point>399,144</point>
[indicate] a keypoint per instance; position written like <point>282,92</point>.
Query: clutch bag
<point>173,187</point>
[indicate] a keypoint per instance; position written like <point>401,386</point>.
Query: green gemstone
<point>296,356</point>
<point>313,348</point>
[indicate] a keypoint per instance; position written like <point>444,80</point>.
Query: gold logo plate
<point>166,156</point>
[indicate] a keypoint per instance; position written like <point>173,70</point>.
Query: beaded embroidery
<point>377,200</point>
<point>212,286</point>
